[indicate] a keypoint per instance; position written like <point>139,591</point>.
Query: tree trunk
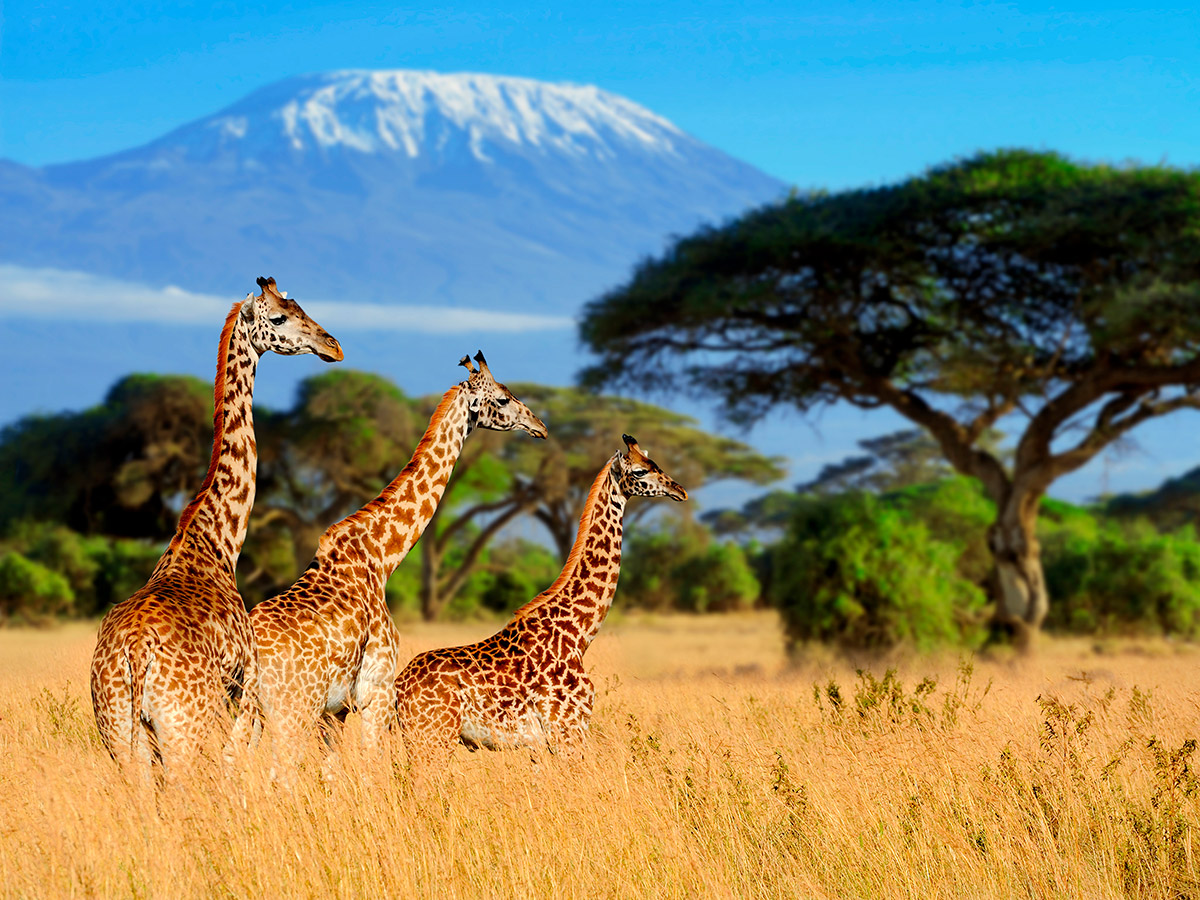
<point>1018,583</point>
<point>431,600</point>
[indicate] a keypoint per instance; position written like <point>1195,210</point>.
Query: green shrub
<point>30,592</point>
<point>679,565</point>
<point>98,570</point>
<point>1115,578</point>
<point>863,573</point>
<point>956,512</point>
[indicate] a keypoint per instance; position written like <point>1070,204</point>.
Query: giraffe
<point>327,645</point>
<point>526,685</point>
<point>170,658</point>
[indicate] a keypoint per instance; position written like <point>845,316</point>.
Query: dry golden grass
<point>711,772</point>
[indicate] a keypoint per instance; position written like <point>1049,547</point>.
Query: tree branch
<point>451,587</point>
<point>955,440</point>
<point>1109,427</point>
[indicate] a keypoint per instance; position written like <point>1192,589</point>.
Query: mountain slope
<point>407,187</point>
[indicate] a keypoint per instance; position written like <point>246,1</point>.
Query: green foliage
<point>860,573</point>
<point>1112,577</point>
<point>31,592</point>
<point>516,572</point>
<point>125,467</point>
<point>96,569</point>
<point>678,565</point>
<point>1174,503</point>
<point>977,272</point>
<point>957,513</point>
<point>508,574</point>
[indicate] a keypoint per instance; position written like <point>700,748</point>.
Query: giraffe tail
<point>139,657</point>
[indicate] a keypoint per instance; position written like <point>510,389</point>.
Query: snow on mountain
<point>416,112</point>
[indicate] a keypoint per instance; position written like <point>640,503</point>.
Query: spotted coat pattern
<point>526,684</point>
<point>169,659</point>
<point>327,645</point>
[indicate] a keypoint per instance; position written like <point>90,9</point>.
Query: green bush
<point>956,512</point>
<point>863,573</point>
<point>515,573</point>
<point>1115,578</point>
<point>679,565</point>
<point>99,571</point>
<point>30,592</point>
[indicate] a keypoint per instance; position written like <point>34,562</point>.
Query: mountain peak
<point>463,189</point>
<point>413,113</point>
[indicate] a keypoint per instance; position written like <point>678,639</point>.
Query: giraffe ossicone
<point>526,684</point>
<point>170,658</point>
<point>327,645</point>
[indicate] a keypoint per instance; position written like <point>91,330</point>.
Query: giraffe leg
<point>430,734</point>
<point>247,725</point>
<point>378,710</point>
<point>188,714</point>
<point>333,726</point>
<point>112,704</point>
<point>569,712</point>
<point>292,732</point>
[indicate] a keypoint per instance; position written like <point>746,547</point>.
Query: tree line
<point>87,498</point>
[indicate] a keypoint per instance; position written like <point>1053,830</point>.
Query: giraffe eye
<point>638,473</point>
<point>503,401</point>
<point>277,319</point>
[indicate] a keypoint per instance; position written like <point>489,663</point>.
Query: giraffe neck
<point>571,610</point>
<point>212,527</point>
<point>389,525</point>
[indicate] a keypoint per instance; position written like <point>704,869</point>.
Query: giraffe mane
<point>423,445</point>
<point>572,563</point>
<point>189,512</point>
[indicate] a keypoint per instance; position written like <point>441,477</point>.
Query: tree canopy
<point>1011,284</point>
<point>124,468</point>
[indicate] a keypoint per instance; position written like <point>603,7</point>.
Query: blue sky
<point>820,95</point>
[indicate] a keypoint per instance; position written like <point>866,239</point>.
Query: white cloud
<point>59,294</point>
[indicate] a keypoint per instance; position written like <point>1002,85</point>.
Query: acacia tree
<point>124,467</point>
<point>1059,297</point>
<point>501,477</point>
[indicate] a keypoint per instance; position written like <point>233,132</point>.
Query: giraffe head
<point>494,405</point>
<point>279,324</point>
<point>639,475</point>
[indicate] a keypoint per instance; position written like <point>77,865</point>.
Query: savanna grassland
<point>714,769</point>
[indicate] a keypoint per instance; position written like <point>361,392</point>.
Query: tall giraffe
<point>327,645</point>
<point>169,658</point>
<point>526,685</point>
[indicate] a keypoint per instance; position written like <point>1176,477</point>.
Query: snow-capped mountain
<point>393,187</point>
<point>431,114</point>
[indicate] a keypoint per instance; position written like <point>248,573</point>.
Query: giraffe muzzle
<point>333,351</point>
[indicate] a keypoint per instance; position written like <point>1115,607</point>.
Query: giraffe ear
<point>248,308</point>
